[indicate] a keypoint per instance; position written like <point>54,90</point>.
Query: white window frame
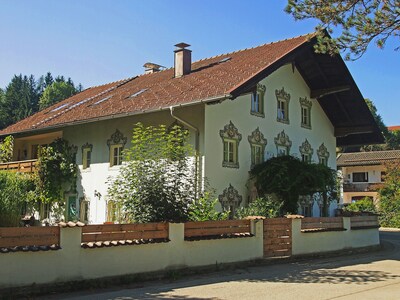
<point>118,157</point>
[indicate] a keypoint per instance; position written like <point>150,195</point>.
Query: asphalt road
<point>374,275</point>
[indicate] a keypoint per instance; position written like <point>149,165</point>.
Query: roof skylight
<point>225,59</point>
<point>102,100</point>
<point>137,93</point>
<point>60,107</point>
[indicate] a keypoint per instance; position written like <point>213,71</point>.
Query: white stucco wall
<point>95,178</point>
<point>238,111</point>
<point>319,242</point>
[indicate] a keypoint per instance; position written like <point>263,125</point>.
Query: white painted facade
<point>209,119</point>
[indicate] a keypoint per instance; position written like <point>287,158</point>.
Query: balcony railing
<point>361,187</point>
<point>24,166</point>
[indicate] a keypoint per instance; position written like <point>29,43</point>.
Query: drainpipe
<point>196,145</point>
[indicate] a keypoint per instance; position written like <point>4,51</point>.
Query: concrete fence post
<point>70,243</point>
<point>296,236</point>
<point>347,223</point>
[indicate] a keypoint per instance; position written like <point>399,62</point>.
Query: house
<point>241,108</point>
<point>363,173</point>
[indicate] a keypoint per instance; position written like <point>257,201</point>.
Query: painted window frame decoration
<point>305,109</point>
<point>116,142</point>
<point>257,101</point>
<point>230,199</point>
<point>282,143</point>
<point>84,210</point>
<point>86,156</point>
<point>282,106</point>
<point>306,151</point>
<point>257,141</point>
<point>323,154</point>
<point>230,139</point>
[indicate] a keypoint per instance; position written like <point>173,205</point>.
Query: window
<point>306,151</point>
<point>230,139</point>
<point>84,210</point>
<point>71,208</point>
<point>283,143</point>
<point>116,155</point>
<point>113,211</point>
<point>305,105</point>
<point>257,146</point>
<point>230,200</point>
<point>360,177</point>
<point>230,151</point>
<point>257,101</point>
<point>283,99</point>
<point>323,155</point>
<point>86,155</point>
<point>116,145</point>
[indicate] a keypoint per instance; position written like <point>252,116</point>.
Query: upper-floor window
<point>360,177</point>
<point>257,101</point>
<point>230,139</point>
<point>306,151</point>
<point>86,155</point>
<point>305,106</point>
<point>282,99</point>
<point>116,145</point>
<point>283,143</point>
<point>257,145</point>
<point>323,155</point>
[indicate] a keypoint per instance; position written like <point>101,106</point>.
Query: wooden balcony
<point>24,166</point>
<point>361,187</point>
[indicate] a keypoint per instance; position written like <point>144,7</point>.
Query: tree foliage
<point>57,91</point>
<point>357,22</point>
<point>287,177</point>
<point>21,97</point>
<point>14,193</point>
<point>364,205</point>
<point>389,194</point>
<point>157,181</point>
<point>6,149</point>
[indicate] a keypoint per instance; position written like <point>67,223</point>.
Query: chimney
<point>151,68</point>
<point>183,60</point>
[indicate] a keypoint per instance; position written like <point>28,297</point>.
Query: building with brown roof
<point>363,173</point>
<point>240,108</point>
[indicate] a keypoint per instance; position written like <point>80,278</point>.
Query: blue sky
<point>97,41</point>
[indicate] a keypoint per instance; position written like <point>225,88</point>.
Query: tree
<point>57,91</point>
<point>389,196</point>
<point>157,182</point>
<point>20,100</point>
<point>288,178</point>
<point>359,22</point>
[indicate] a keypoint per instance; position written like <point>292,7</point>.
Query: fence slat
<point>212,224</point>
<point>29,236</point>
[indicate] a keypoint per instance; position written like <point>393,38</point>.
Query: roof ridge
<point>254,47</point>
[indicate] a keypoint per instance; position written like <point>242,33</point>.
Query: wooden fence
<point>277,237</point>
<point>25,166</point>
<point>322,224</point>
<point>217,228</point>
<point>364,222</point>
<point>124,232</point>
<point>29,236</point>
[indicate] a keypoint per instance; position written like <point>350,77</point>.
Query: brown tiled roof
<point>367,158</point>
<point>394,128</point>
<point>210,78</point>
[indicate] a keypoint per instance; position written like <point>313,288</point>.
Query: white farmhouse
<point>241,108</point>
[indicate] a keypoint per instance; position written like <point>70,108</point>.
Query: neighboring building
<point>363,173</point>
<point>394,128</point>
<point>241,108</point>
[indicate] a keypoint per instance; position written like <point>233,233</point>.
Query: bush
<point>15,189</point>
<point>203,209</point>
<point>389,204</point>
<point>263,207</point>
<point>364,205</point>
<point>157,181</point>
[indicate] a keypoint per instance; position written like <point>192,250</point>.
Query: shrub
<point>15,189</point>
<point>364,205</point>
<point>203,209</point>
<point>263,207</point>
